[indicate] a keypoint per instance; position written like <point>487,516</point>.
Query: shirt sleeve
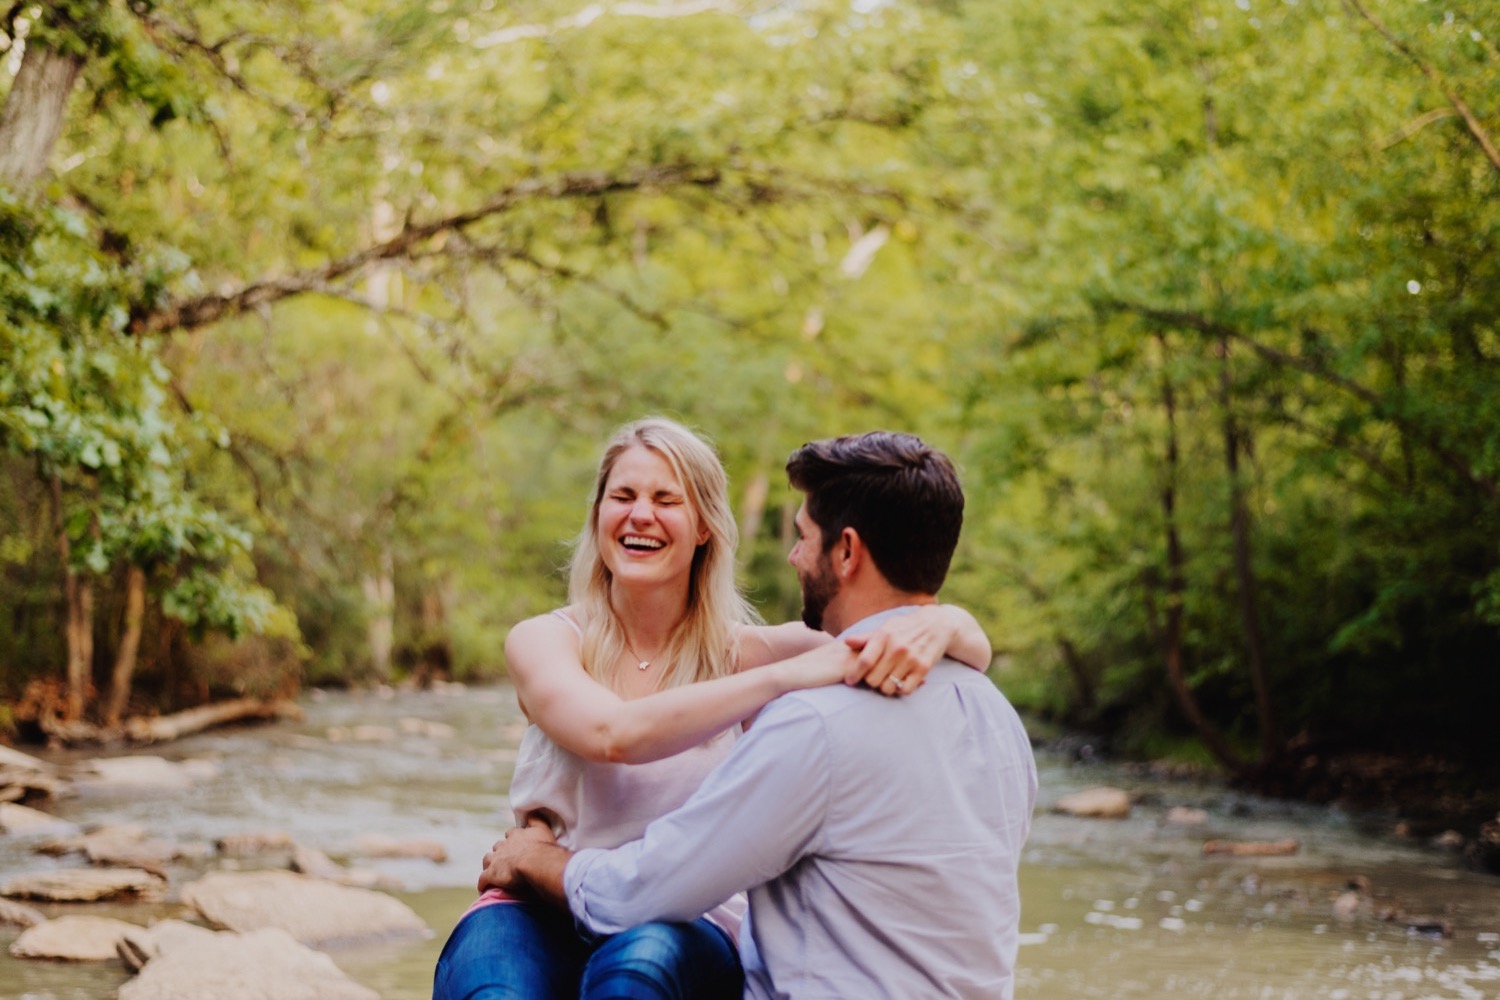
<point>755,815</point>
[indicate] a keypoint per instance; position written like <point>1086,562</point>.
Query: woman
<point>635,691</point>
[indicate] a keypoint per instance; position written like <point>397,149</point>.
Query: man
<point>879,838</point>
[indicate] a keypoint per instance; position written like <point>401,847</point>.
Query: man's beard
<point>818,588</point>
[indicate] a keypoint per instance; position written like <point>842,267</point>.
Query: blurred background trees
<point>315,315</point>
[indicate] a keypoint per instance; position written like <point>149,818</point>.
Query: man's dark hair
<point>902,496</point>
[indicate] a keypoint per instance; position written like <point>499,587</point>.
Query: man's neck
<point>852,607</point>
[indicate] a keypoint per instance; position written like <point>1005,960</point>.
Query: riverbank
<point>1111,908</point>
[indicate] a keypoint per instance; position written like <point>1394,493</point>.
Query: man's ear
<point>849,553</point>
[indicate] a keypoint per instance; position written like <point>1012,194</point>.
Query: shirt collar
<point>879,618</point>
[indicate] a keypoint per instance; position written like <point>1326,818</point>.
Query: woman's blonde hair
<point>702,645</point>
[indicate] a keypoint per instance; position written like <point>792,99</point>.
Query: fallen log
<point>193,720</point>
<point>162,728</point>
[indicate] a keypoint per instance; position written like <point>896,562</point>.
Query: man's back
<point>879,838</point>
<point>906,884</point>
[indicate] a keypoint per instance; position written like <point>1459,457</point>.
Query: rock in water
<point>84,885</point>
<point>1098,803</point>
<point>17,915</point>
<point>72,939</point>
<point>261,965</point>
<point>376,845</point>
<point>311,910</point>
<point>140,772</point>
<point>142,944</point>
<point>23,821</point>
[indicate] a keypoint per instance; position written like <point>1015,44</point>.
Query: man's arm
<point>755,816</point>
<point>528,862</point>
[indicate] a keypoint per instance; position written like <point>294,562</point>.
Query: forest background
<point>316,313</point>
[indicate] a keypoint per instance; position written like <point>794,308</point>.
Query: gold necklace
<point>644,663</point>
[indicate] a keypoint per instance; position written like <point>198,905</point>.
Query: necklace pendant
<point>643,665</point>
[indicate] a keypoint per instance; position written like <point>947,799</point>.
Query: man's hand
<point>527,862</point>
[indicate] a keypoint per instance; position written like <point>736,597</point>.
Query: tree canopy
<point>315,314</point>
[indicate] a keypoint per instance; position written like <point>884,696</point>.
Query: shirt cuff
<point>573,876</point>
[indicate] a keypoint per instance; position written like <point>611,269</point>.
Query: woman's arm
<point>904,647</point>
<point>584,716</point>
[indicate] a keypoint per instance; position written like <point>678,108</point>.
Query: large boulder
<point>84,885</point>
<point>72,939</point>
<point>266,964</point>
<point>1097,803</point>
<point>313,911</point>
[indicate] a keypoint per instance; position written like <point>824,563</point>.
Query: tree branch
<point>1180,319</point>
<point>204,310</point>
<point>592,13</point>
<point>1475,127</point>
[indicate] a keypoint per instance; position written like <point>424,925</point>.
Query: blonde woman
<point>635,691</point>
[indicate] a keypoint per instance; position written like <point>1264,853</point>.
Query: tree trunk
<point>380,593</point>
<point>33,114</point>
<point>752,513</point>
<point>79,592</point>
<point>1176,594</point>
<point>435,646</point>
<point>1244,571</point>
<point>130,644</point>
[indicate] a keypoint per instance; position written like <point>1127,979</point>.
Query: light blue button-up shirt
<point>879,839</point>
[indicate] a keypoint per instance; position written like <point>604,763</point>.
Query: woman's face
<point>647,531</point>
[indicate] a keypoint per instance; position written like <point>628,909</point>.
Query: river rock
<point>84,885</point>
<point>11,757</point>
<point>313,911</point>
<point>313,862</point>
<point>266,964</point>
<point>412,726</point>
<point>364,733</point>
<point>72,939</point>
<point>1484,850</point>
<point>1186,816</point>
<point>377,845</point>
<point>22,783</point>
<point>23,821</point>
<point>14,914</point>
<point>142,944</point>
<point>141,772</point>
<point>1096,803</point>
<point>247,845</point>
<point>1252,848</point>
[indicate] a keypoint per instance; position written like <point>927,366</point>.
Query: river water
<point>1122,908</point>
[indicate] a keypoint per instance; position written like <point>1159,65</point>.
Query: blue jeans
<point>528,951</point>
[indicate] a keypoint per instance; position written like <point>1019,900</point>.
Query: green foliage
<point>1015,229</point>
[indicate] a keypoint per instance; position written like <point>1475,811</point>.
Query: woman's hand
<point>896,658</point>
<point>829,663</point>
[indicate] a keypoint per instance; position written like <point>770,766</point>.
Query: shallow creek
<point>1124,908</point>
